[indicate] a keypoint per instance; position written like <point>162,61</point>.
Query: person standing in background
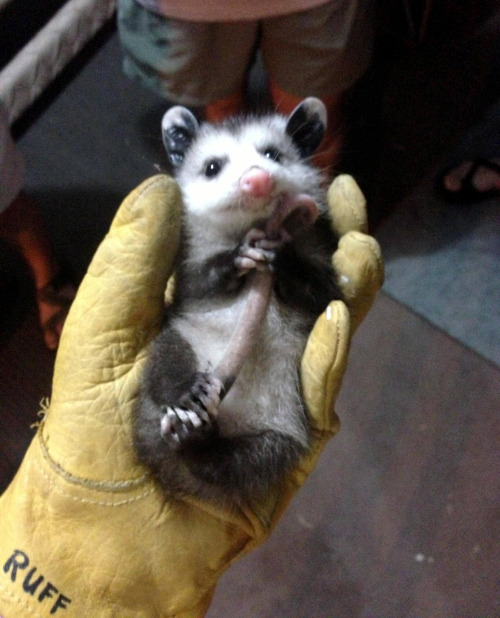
<point>22,227</point>
<point>198,53</point>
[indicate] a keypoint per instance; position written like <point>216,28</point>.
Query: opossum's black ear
<point>306,125</point>
<point>178,128</point>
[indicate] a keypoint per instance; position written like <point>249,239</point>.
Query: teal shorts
<point>319,52</point>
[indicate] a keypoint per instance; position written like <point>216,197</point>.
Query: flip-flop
<point>468,193</point>
<point>59,292</point>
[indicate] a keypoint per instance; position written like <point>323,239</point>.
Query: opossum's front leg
<point>223,272</point>
<point>194,415</point>
<point>258,251</point>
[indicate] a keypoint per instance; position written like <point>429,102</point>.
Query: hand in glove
<point>84,531</point>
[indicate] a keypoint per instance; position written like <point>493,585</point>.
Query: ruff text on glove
<point>31,583</point>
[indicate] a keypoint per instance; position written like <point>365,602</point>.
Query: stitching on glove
<point>96,502</point>
<point>149,185</point>
<point>19,601</point>
<point>42,413</point>
<point>110,486</point>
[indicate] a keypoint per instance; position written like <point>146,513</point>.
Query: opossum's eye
<point>273,153</point>
<point>213,167</point>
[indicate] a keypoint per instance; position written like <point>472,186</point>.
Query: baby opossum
<point>230,447</point>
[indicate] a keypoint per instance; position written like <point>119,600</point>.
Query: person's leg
<point>223,108</point>
<point>319,52</point>
<point>328,153</point>
<point>197,64</point>
<point>22,226</point>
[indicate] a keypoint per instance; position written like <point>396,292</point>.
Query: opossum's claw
<point>257,251</point>
<point>194,417</point>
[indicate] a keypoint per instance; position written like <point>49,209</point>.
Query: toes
<point>207,392</point>
<point>253,236</point>
<point>271,245</point>
<point>170,425</point>
<point>257,254</point>
<point>178,425</point>
<point>244,265</point>
<point>454,179</point>
<point>195,415</point>
<point>254,258</point>
<point>195,420</point>
<point>215,383</point>
<point>189,418</point>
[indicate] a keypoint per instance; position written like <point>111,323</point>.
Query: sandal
<point>468,193</point>
<point>58,294</point>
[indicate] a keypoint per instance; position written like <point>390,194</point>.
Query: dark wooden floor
<point>401,516</point>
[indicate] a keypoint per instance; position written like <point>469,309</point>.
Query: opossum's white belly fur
<point>266,394</point>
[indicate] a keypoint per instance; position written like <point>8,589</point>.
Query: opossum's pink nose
<point>256,182</point>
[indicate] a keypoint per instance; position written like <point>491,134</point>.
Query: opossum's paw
<point>194,417</point>
<point>204,395</point>
<point>257,251</point>
<point>178,424</point>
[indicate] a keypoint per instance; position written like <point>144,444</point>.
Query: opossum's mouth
<point>250,210</point>
<point>279,201</point>
<point>262,206</point>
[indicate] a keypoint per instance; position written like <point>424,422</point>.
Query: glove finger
<point>323,365</point>
<point>116,313</point>
<point>126,279</point>
<point>347,206</point>
<point>360,270</point>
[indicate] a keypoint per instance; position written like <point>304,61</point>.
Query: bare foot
<point>473,181</point>
<point>54,301</point>
<point>22,226</point>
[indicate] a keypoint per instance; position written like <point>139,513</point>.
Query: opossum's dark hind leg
<point>193,417</point>
<point>178,403</point>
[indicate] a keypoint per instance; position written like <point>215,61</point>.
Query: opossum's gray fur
<point>232,452</point>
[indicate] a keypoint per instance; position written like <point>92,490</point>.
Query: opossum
<point>228,439</point>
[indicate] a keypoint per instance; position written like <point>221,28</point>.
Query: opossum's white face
<point>235,174</point>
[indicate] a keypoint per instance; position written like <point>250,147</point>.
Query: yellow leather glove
<point>84,530</point>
